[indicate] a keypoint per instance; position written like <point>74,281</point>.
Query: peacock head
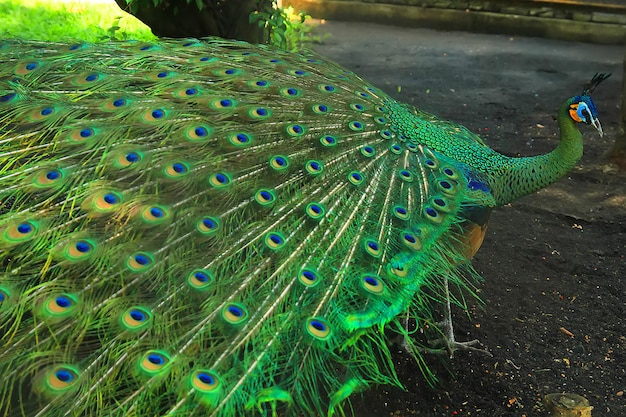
<point>582,109</point>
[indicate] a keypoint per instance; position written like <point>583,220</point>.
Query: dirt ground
<point>551,261</point>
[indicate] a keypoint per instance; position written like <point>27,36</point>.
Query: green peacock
<point>212,228</point>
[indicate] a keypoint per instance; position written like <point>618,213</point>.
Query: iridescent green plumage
<point>214,228</point>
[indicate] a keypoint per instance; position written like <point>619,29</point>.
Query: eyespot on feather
<point>372,247</point>
<point>395,149</point>
<point>450,173</point>
<point>385,134</point>
<point>274,240</point>
<point>200,279</point>
<point>61,379</point>
<point>258,113</point>
<point>327,88</point>
<point>42,113</point>
<point>295,130</point>
<point>136,318</point>
<point>442,204</point>
<point>5,298</point>
<point>412,147</point>
<point>27,67</point>
<point>223,104</point>
<point>129,158</point>
<point>197,133</point>
<point>356,126</point>
<point>116,104</point>
<point>186,92</point>
<point>160,75</point>
<point>279,163</point>
<point>228,72</point>
<point>19,232</point>
<point>102,202</point>
<point>234,314</point>
<point>356,178</point>
<point>397,269</point>
<point>205,381</point>
<point>448,187</point>
<point>47,178</point>
<point>207,60</point>
<point>74,47</point>
<point>8,98</point>
<point>154,362</point>
<point>139,262</point>
<point>308,277</point>
<point>220,180</point>
<point>314,167</point>
<point>258,83</point>
<point>368,151</point>
<point>315,211</point>
<point>320,109</point>
<point>433,215</point>
<point>176,170</point>
<point>240,139</point>
<point>298,72</point>
<point>156,115</point>
<point>207,225</point>
<point>154,215</point>
<point>76,250</point>
<point>82,136</point>
<point>357,107</point>
<point>318,328</point>
<point>405,175</point>
<point>59,306</point>
<point>411,240</point>
<point>328,141</point>
<point>290,92</point>
<point>400,212</point>
<point>87,79</point>
<point>372,284</point>
<point>265,197</point>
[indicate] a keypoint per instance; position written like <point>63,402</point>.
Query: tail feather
<point>205,227</point>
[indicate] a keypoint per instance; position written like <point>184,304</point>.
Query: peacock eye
<point>584,114</point>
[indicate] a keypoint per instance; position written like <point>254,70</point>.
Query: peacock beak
<point>596,123</point>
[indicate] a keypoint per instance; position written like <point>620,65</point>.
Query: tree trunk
<point>617,154</point>
<point>178,19</point>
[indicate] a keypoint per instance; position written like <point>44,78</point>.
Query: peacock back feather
<point>214,228</point>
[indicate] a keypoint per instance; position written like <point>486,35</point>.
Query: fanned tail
<point>205,227</point>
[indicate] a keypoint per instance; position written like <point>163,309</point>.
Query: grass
<point>85,20</point>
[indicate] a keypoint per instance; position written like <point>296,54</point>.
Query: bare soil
<point>553,263</point>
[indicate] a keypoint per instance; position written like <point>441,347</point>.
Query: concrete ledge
<point>464,20</point>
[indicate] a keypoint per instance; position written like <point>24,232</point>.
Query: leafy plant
<point>284,27</point>
<point>287,30</point>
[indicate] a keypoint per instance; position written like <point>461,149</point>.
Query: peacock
<point>212,228</point>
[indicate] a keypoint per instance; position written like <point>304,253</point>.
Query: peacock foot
<point>447,342</point>
<point>448,346</point>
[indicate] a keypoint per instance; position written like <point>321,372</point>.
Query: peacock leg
<point>469,241</point>
<point>448,341</point>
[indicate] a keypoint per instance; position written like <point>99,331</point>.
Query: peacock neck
<point>506,178</point>
<point>517,177</point>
